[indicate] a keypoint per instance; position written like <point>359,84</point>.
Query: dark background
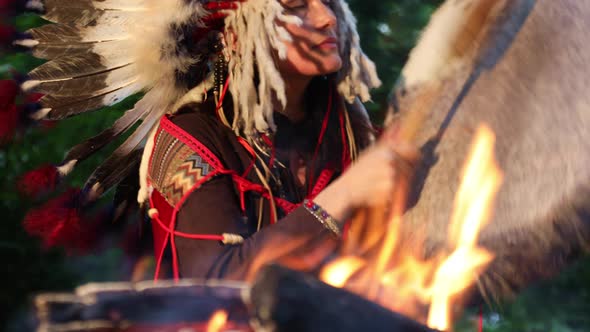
<point>388,30</point>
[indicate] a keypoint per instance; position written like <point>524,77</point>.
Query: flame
<point>338,273</point>
<point>409,285</point>
<point>472,210</point>
<point>217,321</point>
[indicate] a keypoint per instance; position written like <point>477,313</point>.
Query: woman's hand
<point>371,180</point>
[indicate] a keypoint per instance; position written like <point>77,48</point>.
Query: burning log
<point>145,306</point>
<point>280,300</point>
<point>286,300</point>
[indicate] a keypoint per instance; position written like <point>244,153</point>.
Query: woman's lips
<point>328,44</point>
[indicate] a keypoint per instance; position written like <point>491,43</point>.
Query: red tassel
<point>39,181</point>
<point>59,223</point>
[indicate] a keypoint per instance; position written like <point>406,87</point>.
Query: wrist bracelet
<point>322,216</point>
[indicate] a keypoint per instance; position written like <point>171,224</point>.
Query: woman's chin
<point>327,66</point>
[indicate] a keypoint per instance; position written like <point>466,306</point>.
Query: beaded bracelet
<point>322,216</point>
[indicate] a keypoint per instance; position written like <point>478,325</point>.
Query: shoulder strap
<point>179,163</point>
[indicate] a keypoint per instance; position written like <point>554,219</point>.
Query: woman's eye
<point>294,4</point>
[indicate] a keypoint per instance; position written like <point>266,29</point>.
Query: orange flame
<point>217,321</point>
<point>408,284</point>
<point>338,273</point>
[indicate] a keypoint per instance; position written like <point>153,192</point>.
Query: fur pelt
<point>534,96</point>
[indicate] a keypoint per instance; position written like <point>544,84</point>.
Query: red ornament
<point>39,181</point>
<point>59,223</point>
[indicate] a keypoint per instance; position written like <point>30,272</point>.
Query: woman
<point>293,155</point>
<point>253,159</point>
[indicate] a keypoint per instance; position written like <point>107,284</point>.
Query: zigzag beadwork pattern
<point>178,170</point>
<point>184,177</point>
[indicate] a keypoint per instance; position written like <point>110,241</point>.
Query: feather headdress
<point>100,52</point>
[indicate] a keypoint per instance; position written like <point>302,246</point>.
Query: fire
<point>337,273</point>
<point>217,321</point>
<point>409,285</point>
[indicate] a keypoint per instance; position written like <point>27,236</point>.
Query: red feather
<point>59,223</point>
<point>39,181</point>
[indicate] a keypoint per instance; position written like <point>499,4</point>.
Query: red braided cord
<point>322,182</point>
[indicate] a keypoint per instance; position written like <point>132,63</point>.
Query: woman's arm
<point>214,209</point>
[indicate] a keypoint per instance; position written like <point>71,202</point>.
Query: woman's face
<point>314,48</point>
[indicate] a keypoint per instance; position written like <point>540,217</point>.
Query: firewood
<point>284,300</point>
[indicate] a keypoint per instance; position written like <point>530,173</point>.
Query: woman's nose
<point>321,15</point>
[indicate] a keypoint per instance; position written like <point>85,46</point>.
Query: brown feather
<point>75,66</point>
<point>64,107</point>
<point>95,143</point>
<point>90,85</point>
<point>51,50</point>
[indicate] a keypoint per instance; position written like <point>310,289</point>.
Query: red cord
<point>252,155</point>
<point>222,96</point>
<point>188,235</point>
<point>272,149</point>
<point>320,138</point>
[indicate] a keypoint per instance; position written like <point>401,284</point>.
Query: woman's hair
<point>256,37</point>
<point>354,126</point>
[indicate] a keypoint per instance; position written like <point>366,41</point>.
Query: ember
<point>217,321</point>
